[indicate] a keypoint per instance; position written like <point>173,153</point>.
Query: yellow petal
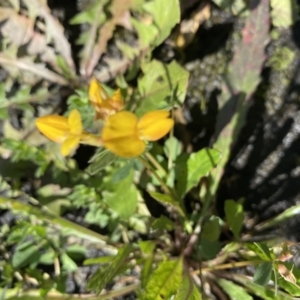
<point>97,94</point>
<point>116,100</point>
<point>125,147</point>
<point>54,127</point>
<point>119,135</point>
<point>74,122</point>
<point>70,144</point>
<point>154,125</point>
<point>122,124</point>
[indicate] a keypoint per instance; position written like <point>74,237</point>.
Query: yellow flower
<point>104,105</point>
<point>125,135</point>
<point>65,131</point>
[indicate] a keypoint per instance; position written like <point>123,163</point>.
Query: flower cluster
<point>123,133</point>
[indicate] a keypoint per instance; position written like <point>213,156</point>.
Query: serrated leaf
<point>234,213</point>
<point>104,275</point>
<point>233,290</point>
<point>263,273</point>
<point>284,12</point>
<point>161,87</point>
<point>164,281</point>
<point>188,290</point>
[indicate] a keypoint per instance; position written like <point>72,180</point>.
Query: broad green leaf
<point>161,87</point>
<point>211,229</point>
<point>197,165</point>
<point>166,15</point>
<point>284,12</point>
<point>209,250</point>
<point>263,273</point>
<point>25,256</point>
<point>164,281</point>
<point>188,290</point>
<point>100,161</point>
<point>234,291</point>
<point>234,213</point>
<point>166,199</point>
<point>104,275</point>
<point>123,197</point>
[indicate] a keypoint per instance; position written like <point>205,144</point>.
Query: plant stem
<point>166,188</point>
<point>230,265</point>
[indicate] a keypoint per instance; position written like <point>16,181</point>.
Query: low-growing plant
<point>147,222</point>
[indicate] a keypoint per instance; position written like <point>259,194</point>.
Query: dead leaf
<point>24,64</point>
<point>18,29</point>
<point>188,28</point>
<point>54,30</point>
<point>119,10</point>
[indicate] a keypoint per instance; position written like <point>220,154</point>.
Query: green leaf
<point>161,87</point>
<point>211,229</point>
<point>260,250</point>
<point>68,264</point>
<point>166,199</point>
<point>198,164</point>
<point>263,273</point>
<point>233,290</point>
<point>123,197</point>
<point>123,172</point>
<point>284,12</point>
<point>285,215</point>
<point>146,33</point>
<point>163,223</point>
<point>209,250</point>
<point>166,15</point>
<point>234,213</point>
<point>164,281</point>
<point>147,247</point>
<point>264,292</point>
<point>100,161</point>
<point>24,256</point>
<point>104,275</point>
<point>188,290</point>
<point>172,147</point>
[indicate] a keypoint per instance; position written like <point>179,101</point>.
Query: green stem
<point>166,188</point>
